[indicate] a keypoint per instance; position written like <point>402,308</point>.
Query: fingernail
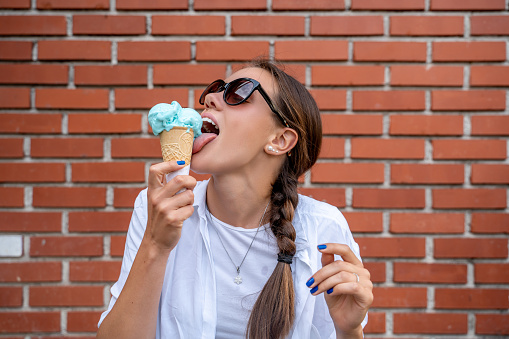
<point>181,162</point>
<point>330,290</point>
<point>314,289</point>
<point>322,247</point>
<point>310,282</point>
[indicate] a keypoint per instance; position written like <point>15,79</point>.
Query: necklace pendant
<point>238,279</point>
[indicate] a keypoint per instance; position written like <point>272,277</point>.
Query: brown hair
<point>274,312</point>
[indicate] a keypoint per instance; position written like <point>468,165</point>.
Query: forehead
<point>261,75</point>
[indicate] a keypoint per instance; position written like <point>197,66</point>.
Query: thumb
<point>327,259</point>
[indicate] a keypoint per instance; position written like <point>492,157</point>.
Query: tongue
<point>202,140</point>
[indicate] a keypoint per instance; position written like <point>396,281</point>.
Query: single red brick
<point>303,50</point>
<point>74,50</point>
<point>104,123</point>
<point>176,74</point>
<point>346,25</point>
<point>31,271</point>
<point>332,148</point>
<point>419,323</point>
<point>454,149</point>
<point>470,298</point>
<point>394,247</point>
<point>432,223</point>
<point>99,221</point>
<point>30,221</point>
<point>117,245</point>
<point>33,74</point>
<point>365,124</point>
<point>489,25</point>
<point>397,297</point>
<point>16,50</point>
<point>11,296</point>
<point>136,148</point>
<point>307,5</point>
<point>125,196</point>
<point>152,5</point>
<point>488,273</point>
<point>329,99</point>
<point>470,248</point>
<point>66,246</point>
<point>66,296</point>
<point>490,174</point>
<point>426,125</point>
<point>347,173</point>
<point>14,97</point>
<point>467,5</point>
<point>332,75</point>
<point>15,4</point>
<point>468,51</point>
<point>229,5</point>
<point>76,4</point>
<point>69,197</point>
<point>388,198</point>
<point>21,123</point>
<point>188,25</point>
<point>267,25</point>
<point>387,5</point>
<point>11,148</point>
<point>373,148</point>
<point>333,196</point>
<point>414,25</point>
<point>32,172</point>
<point>154,51</point>
<point>490,223</point>
<point>94,270</point>
<point>110,75</point>
<point>377,271</point>
<point>388,100</point>
<point>12,197</point>
<point>410,75</point>
<point>109,25</point>
<point>495,324</point>
<point>33,25</point>
<point>361,222</point>
<point>479,198</point>
<point>424,273</point>
<point>389,51</point>
<point>66,147</point>
<point>29,321</point>
<point>108,172</point>
<point>55,98</point>
<point>230,50</point>
<point>427,174</point>
<point>142,98</point>
<point>489,76</point>
<point>490,125</point>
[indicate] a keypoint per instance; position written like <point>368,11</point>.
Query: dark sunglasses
<point>239,90</point>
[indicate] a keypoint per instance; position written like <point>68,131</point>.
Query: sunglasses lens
<point>238,91</point>
<point>212,88</point>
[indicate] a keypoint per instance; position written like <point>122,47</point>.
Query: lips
<point>209,130</point>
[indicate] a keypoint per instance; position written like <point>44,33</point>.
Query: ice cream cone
<point>177,144</point>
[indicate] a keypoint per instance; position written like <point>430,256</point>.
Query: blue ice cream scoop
<point>163,117</point>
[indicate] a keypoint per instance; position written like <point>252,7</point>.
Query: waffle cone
<point>177,144</point>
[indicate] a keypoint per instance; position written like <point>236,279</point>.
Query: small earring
<point>270,148</point>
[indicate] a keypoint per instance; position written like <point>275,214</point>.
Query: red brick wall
<point>414,96</point>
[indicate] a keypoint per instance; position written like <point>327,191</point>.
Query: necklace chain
<point>238,278</point>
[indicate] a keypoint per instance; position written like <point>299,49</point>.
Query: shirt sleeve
<point>134,236</point>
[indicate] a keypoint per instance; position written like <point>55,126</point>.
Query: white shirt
<point>188,304</point>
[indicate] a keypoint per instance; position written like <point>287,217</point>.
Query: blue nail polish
<point>310,282</point>
<point>329,291</point>
<point>181,162</point>
<point>322,247</point>
<point>314,289</point>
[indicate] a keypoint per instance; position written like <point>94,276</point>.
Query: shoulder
<point>320,211</point>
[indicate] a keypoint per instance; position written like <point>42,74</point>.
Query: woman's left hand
<point>347,288</point>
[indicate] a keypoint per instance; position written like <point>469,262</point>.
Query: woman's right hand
<point>166,209</point>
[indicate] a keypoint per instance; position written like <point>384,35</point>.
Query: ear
<point>283,142</point>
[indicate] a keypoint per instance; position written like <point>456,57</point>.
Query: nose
<point>214,100</point>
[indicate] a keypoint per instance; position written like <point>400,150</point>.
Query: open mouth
<point>209,126</point>
<point>209,131</point>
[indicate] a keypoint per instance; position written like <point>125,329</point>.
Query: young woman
<point>242,254</point>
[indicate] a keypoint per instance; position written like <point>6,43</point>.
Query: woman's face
<point>242,131</point>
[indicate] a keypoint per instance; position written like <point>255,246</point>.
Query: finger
<point>363,295</point>
<point>158,171</point>
<point>343,250</point>
<point>334,268</point>
<point>333,280</point>
<point>178,183</point>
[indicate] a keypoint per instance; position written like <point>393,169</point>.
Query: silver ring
<point>356,276</point>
